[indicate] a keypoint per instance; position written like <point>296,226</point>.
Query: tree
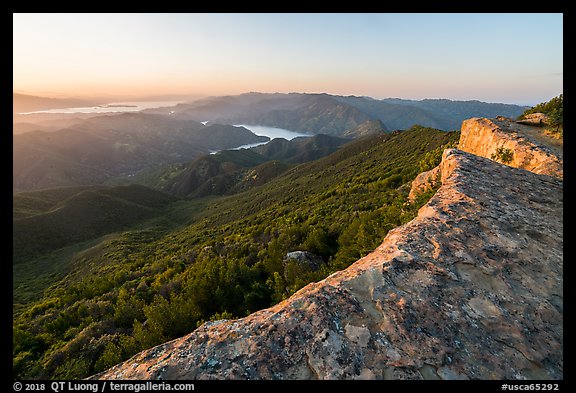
<point>278,286</point>
<point>111,356</point>
<point>319,242</point>
<point>128,308</point>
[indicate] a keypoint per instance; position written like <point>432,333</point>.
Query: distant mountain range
<point>334,115</point>
<point>68,150</point>
<point>28,103</point>
<point>97,149</point>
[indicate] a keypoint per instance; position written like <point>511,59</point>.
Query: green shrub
<point>503,154</point>
<point>148,286</point>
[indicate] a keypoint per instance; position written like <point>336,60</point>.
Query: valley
<point>129,230</point>
<point>101,148</point>
<point>201,258</point>
<point>110,148</point>
<point>287,196</point>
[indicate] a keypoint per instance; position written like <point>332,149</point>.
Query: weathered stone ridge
<point>472,288</point>
<point>530,149</point>
<point>423,182</point>
<point>483,137</point>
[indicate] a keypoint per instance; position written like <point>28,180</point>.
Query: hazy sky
<point>512,58</point>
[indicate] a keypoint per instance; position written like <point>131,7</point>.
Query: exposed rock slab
<point>537,119</point>
<point>470,289</point>
<point>304,258</point>
<point>482,137</point>
<point>423,182</point>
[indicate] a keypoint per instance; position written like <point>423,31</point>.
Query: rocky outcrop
<point>423,182</point>
<point>484,137</point>
<point>471,288</point>
<point>502,140</point>
<point>304,258</point>
<point>536,119</point>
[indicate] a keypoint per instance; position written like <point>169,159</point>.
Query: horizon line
<point>161,96</point>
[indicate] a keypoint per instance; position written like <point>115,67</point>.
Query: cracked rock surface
<point>471,288</point>
<point>531,150</point>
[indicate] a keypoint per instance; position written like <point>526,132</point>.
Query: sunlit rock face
<point>424,182</point>
<point>483,137</point>
<point>537,119</point>
<point>471,288</point>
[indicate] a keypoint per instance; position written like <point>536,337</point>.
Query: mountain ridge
<point>97,149</point>
<point>78,214</point>
<point>29,103</point>
<point>228,171</point>
<point>334,114</point>
<point>73,150</point>
<point>469,289</point>
<point>208,257</point>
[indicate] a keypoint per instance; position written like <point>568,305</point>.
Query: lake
<point>270,132</point>
<point>132,106</point>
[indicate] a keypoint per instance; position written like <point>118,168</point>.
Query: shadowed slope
<point>469,289</point>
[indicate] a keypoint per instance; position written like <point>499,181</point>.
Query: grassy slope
<point>26,204</point>
<point>145,286</point>
<point>32,275</point>
<point>81,214</point>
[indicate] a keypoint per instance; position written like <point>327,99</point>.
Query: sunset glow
<point>455,56</point>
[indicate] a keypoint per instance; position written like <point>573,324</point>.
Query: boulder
<point>534,119</point>
<point>425,181</point>
<point>305,258</point>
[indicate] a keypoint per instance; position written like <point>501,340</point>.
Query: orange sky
<point>379,55</point>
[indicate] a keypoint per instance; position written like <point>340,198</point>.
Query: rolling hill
<point>336,115</point>
<point>227,258</point>
<point>47,220</point>
<point>100,148</point>
<point>213,174</point>
<point>301,149</point>
<point>230,171</point>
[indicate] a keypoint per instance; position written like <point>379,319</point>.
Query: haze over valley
<point>70,151</point>
<point>222,196</point>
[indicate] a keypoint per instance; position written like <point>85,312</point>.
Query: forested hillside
<point>98,149</point>
<point>227,257</point>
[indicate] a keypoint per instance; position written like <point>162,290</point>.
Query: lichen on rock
<point>484,137</point>
<point>472,288</point>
